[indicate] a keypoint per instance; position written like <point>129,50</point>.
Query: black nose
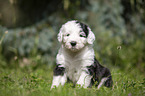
<point>73,43</point>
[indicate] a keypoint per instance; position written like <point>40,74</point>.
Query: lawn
<point>31,81</point>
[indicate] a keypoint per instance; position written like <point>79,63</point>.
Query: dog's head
<point>74,35</point>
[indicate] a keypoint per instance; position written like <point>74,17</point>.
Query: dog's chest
<point>75,64</point>
<point>73,70</point>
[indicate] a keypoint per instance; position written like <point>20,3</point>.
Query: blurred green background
<point>28,45</point>
<point>29,28</point>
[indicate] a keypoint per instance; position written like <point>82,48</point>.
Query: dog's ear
<point>89,34</point>
<point>59,36</point>
<point>91,37</point>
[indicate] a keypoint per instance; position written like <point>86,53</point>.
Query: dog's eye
<point>67,34</point>
<point>82,34</point>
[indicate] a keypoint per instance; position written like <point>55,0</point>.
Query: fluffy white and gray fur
<point>76,60</point>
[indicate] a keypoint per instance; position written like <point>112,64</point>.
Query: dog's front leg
<point>59,76</point>
<point>57,80</point>
<point>85,79</point>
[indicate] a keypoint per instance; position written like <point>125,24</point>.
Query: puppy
<point>76,60</point>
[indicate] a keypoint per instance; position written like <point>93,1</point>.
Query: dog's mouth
<point>73,48</point>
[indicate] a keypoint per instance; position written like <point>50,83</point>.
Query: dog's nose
<point>73,43</point>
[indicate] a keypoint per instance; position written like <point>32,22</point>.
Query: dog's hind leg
<point>106,79</point>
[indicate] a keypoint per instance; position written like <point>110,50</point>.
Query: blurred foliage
<point>22,13</point>
<point>118,26</point>
<point>30,41</point>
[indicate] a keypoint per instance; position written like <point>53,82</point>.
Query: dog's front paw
<point>53,86</point>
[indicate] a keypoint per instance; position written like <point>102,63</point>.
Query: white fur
<point>74,59</point>
<point>58,80</point>
<point>103,80</point>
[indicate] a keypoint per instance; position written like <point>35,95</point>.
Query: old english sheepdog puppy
<point>76,60</point>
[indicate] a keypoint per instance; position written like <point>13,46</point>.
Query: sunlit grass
<point>26,81</point>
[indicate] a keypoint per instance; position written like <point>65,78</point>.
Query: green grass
<point>37,82</point>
